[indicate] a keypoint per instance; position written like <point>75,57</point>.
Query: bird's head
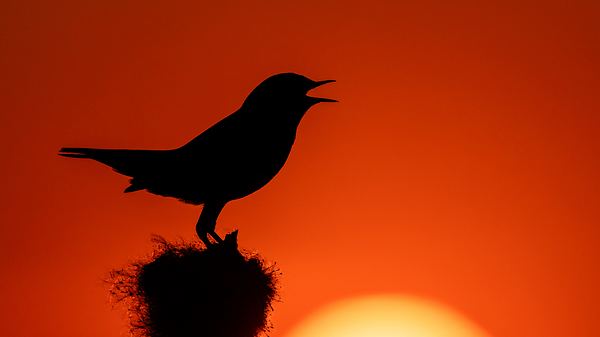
<point>288,91</point>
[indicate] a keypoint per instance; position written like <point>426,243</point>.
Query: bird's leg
<point>202,233</point>
<point>207,222</point>
<point>201,229</point>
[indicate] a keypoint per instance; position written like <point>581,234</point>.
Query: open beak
<point>320,99</point>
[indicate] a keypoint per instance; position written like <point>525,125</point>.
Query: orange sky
<point>461,164</point>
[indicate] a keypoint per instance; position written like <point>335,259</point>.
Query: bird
<point>230,160</point>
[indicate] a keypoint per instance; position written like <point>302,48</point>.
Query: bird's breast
<point>252,161</point>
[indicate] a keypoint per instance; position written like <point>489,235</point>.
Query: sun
<point>386,316</point>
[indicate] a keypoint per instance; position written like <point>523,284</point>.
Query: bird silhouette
<point>230,160</point>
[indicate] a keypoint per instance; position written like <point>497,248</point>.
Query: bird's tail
<point>77,152</point>
<point>127,162</point>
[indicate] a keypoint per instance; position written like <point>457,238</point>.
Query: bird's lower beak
<point>319,99</point>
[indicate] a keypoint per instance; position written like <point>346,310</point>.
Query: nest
<point>186,290</point>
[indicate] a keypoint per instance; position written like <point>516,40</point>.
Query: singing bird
<point>230,160</point>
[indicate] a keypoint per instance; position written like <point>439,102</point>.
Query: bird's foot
<point>230,239</point>
<point>215,236</point>
<point>206,241</point>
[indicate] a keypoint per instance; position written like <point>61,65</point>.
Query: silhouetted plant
<point>186,290</point>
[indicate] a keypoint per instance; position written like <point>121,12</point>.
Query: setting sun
<point>386,316</point>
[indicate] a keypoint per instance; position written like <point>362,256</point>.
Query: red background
<point>460,165</point>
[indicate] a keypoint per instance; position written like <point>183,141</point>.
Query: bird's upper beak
<point>320,99</point>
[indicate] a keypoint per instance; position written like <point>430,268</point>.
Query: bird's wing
<point>127,162</point>
<point>218,137</point>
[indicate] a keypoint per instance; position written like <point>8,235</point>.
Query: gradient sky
<point>461,165</point>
